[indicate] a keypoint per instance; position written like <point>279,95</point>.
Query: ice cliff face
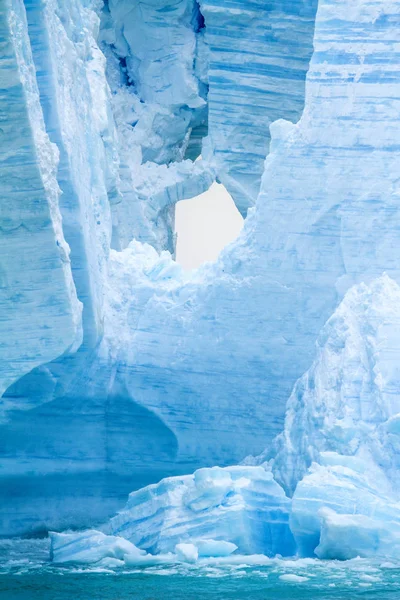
<point>258,55</point>
<point>339,453</point>
<point>338,456</point>
<point>348,402</point>
<point>163,373</point>
<point>37,281</point>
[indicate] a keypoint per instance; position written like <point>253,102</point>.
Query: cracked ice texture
<point>349,400</point>
<point>157,100</point>
<point>249,62</point>
<point>40,313</point>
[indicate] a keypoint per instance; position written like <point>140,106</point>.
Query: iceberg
<point>89,547</point>
<point>119,370</point>
<point>109,405</point>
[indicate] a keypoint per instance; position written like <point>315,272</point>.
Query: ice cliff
<point>118,369</point>
<point>338,458</point>
<point>338,455</point>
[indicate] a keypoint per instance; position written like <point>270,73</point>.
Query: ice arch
<point>121,140</point>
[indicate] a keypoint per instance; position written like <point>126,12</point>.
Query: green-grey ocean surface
<point>26,574</point>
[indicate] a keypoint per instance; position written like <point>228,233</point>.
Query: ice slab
<point>89,547</point>
<point>215,509</point>
<point>341,513</point>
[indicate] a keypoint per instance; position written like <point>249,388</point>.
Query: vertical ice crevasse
<point>40,315</point>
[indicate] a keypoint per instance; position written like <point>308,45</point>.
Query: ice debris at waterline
<point>211,513</point>
<point>338,456</point>
<point>94,547</point>
<point>242,505</point>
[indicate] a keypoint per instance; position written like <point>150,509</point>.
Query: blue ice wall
<point>75,100</point>
<point>40,315</point>
<point>258,55</point>
<point>184,371</point>
<point>217,356</point>
<point>152,390</point>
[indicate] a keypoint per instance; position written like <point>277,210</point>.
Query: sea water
<point>27,574</point>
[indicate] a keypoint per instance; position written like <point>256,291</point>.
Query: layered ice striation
<point>75,98</point>
<point>111,103</point>
<point>339,452</point>
<point>242,505</point>
<point>258,55</point>
<point>40,313</point>
<point>338,455</point>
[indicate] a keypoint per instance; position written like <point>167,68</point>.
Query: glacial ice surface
<point>258,56</point>
<point>162,372</point>
<point>339,453</point>
<point>40,312</point>
<point>338,457</point>
<point>120,122</point>
<point>242,505</point>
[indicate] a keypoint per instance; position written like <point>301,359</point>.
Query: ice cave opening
<point>204,225</point>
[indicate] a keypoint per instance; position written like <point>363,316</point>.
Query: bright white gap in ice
<point>204,225</point>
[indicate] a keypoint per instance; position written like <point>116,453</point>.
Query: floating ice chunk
<point>89,546</point>
<point>148,560</point>
<point>187,552</point>
<point>110,563</point>
<point>347,536</point>
<point>292,578</point>
<point>341,513</point>
<point>209,548</point>
<point>223,508</point>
